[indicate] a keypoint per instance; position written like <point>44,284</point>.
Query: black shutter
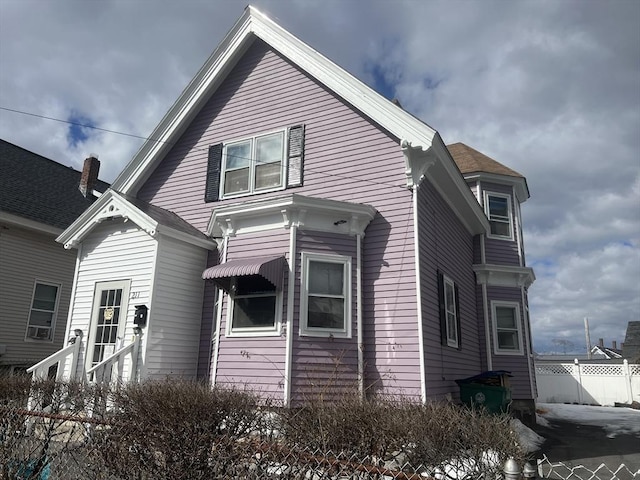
<point>442,308</point>
<point>458,327</point>
<point>295,155</point>
<point>212,188</point>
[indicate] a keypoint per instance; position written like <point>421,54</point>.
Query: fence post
<point>75,356</point>
<point>626,372</point>
<point>512,470</point>
<point>577,373</point>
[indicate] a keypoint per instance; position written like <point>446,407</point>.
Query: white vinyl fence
<point>588,383</point>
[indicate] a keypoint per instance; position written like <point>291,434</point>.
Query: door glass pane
<point>106,334</point>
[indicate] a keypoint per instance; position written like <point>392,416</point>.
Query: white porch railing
<point>41,369</point>
<point>105,372</point>
<point>588,383</point>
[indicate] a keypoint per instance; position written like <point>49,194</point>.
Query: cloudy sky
<point>552,89</point>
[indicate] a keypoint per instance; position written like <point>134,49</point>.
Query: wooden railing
<point>41,369</point>
<point>104,371</point>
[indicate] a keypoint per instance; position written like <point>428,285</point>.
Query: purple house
<point>291,229</point>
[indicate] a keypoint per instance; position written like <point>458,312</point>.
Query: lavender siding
<point>324,365</point>
<point>499,251</point>
<point>518,365</point>
<point>347,158</point>
<point>258,362</point>
<point>207,324</point>
<point>446,246</point>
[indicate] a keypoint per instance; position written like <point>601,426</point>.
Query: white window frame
<point>451,342</point>
<point>496,346</point>
<point>499,219</point>
<point>345,261</point>
<point>252,166</point>
<point>270,331</point>
<point>54,313</point>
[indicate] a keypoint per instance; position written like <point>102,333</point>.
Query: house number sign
<point>135,295</point>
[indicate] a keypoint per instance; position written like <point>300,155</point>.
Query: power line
<point>77,124</point>
<point>204,149</point>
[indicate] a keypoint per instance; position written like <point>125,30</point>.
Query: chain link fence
<point>563,471</point>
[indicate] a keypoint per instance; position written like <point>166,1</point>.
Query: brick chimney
<point>614,344</point>
<point>89,175</point>
<point>601,342</point>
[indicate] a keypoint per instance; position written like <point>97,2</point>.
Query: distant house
<point>631,347</point>
<point>290,229</point>
<point>39,198</point>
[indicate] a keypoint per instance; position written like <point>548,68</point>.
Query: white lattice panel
<point>601,369</point>
<point>634,369</point>
<point>555,369</point>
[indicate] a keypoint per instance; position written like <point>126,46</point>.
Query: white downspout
<point>487,330</point>
<point>527,339</point>
<point>423,380</point>
<point>359,315</point>
<point>214,368</point>
<point>289,327</point>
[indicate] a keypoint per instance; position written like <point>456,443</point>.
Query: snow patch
<point>530,441</point>
<point>614,420</point>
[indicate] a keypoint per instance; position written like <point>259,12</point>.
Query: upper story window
<point>325,303</point>
<point>255,307</point>
<point>262,163</point>
<point>253,164</point>
<point>507,333</point>
<point>498,210</point>
<point>44,307</point>
<point>449,311</point>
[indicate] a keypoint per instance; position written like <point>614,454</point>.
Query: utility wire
<point>335,175</point>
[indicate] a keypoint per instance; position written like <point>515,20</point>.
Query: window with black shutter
<point>449,304</point>
<point>262,163</point>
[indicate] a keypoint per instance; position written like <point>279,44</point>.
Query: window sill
<point>325,334</point>
<point>250,194</point>
<point>253,333</point>
<point>500,237</point>
<point>511,353</point>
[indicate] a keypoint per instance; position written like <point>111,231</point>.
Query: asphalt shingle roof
<point>470,160</point>
<point>37,188</point>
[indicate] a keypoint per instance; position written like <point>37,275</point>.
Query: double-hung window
<point>507,333</point>
<point>449,311</point>
<point>326,304</point>
<point>498,209</point>
<point>254,164</point>
<point>44,307</point>
<point>255,307</point>
<point>262,163</point>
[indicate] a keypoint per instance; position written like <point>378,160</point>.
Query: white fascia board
<point>27,224</point>
<point>504,275</point>
<point>519,183</point>
<point>203,85</point>
<point>109,205</point>
<point>188,104</point>
<point>438,166</point>
<point>203,242</point>
<point>307,213</point>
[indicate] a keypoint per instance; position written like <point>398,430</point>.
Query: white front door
<point>108,319</point>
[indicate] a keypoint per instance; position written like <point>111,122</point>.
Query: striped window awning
<point>269,268</point>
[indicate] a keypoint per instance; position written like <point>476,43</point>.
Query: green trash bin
<point>489,390</point>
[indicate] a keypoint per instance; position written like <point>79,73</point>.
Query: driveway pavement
<point>575,444</point>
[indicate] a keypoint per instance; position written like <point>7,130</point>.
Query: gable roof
<point>470,161</point>
<point>150,218</point>
<point>421,144</point>
<point>37,189</point>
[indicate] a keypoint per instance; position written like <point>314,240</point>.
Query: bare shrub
<point>177,429</point>
<point>398,434</point>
